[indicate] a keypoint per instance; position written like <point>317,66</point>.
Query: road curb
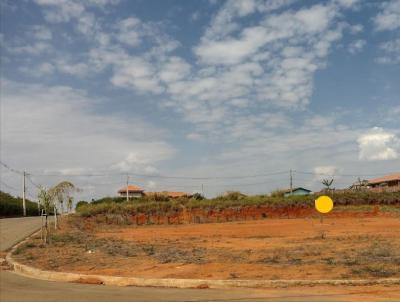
<point>36,273</point>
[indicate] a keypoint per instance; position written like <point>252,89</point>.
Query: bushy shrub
<point>278,193</point>
<point>109,200</point>
<point>81,203</point>
<point>198,196</point>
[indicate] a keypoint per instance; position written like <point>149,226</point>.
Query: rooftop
<point>295,189</point>
<point>386,178</point>
<point>131,188</point>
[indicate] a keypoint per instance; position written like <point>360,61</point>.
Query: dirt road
<point>14,288</point>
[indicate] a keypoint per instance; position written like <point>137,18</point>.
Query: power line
<point>32,182</point>
<point>11,169</point>
<point>162,176</point>
<point>8,186</point>
<point>342,175</point>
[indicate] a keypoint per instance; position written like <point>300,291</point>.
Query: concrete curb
<point>36,273</point>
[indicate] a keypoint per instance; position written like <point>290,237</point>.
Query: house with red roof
<point>389,182</point>
<point>133,191</point>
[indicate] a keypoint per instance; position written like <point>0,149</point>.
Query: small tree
<point>61,194</point>
<point>45,201</point>
<point>50,199</point>
<point>327,183</point>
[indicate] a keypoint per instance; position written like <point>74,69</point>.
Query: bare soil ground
<point>301,248</point>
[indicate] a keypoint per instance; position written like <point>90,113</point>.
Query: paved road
<point>13,230</point>
<point>14,288</point>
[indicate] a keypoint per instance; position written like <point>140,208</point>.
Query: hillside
<point>11,206</point>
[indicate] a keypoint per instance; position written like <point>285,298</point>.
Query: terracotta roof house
<point>133,191</point>
<point>389,181</point>
<point>296,192</point>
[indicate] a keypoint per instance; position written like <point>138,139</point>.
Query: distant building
<point>297,192</point>
<point>169,194</point>
<point>388,182</point>
<point>133,191</point>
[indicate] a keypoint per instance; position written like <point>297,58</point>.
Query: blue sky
<point>225,91</point>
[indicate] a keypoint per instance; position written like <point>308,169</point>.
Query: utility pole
<point>23,195</point>
<point>291,183</point>
<point>127,184</point>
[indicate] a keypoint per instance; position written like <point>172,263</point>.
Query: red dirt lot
<point>295,243</point>
<point>301,248</point>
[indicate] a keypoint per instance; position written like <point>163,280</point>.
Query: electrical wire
<point>32,182</point>
<point>188,178</point>
<point>8,186</point>
<point>163,176</point>
<point>341,175</point>
<point>11,169</point>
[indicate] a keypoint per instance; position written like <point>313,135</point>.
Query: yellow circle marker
<point>324,204</point>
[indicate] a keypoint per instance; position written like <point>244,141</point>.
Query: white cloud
<point>356,46</point>
<point>60,11</point>
<point>270,62</point>
<point>151,185</point>
<point>348,3</point>
<point>79,69</point>
<point>136,73</point>
<point>224,22</point>
<point>64,132</point>
<point>323,172</point>
<point>195,16</point>
<point>378,144</point>
<point>37,48</point>
<point>232,51</point>
<point>391,52</point>
<point>129,31</point>
<point>41,32</point>
<point>174,69</point>
<point>195,136</point>
<point>144,157</point>
<point>40,70</point>
<point>389,17</point>
<point>355,29</point>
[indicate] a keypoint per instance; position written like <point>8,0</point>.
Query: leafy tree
<point>45,200</point>
<point>61,193</point>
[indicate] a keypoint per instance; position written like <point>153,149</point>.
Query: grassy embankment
<point>11,206</point>
<point>387,201</point>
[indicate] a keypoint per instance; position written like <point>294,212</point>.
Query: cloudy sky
<point>199,94</point>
